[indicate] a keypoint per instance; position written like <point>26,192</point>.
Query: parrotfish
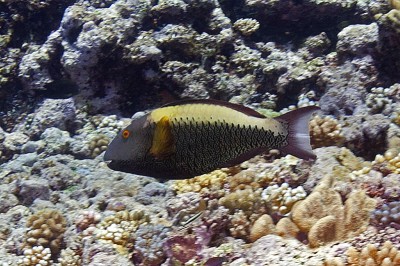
<point>193,137</point>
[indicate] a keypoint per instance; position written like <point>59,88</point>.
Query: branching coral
<point>46,229</point>
<point>247,200</point>
<point>282,198</point>
<point>370,255</point>
<point>69,257</point>
<point>87,219</point>
<point>388,163</point>
<point>37,255</point>
<point>204,184</point>
<point>325,131</point>
<point>110,122</point>
<point>98,144</point>
<point>118,229</point>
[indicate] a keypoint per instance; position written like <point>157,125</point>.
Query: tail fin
<point>299,137</point>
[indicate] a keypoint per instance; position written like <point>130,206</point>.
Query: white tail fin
<point>299,137</point>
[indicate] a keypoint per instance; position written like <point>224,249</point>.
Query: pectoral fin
<point>163,144</point>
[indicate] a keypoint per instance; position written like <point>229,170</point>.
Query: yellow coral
<point>203,184</point>
<point>247,200</point>
<point>325,131</point>
<point>395,4</point>
<point>69,257</point>
<point>387,255</point>
<point>282,198</point>
<point>388,163</point>
<point>37,255</point>
<point>98,144</point>
<point>264,225</point>
<point>46,229</point>
<point>118,229</point>
<point>324,218</point>
<point>370,255</point>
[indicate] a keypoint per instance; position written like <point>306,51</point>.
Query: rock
<point>57,141</point>
<point>357,40</point>
<point>59,113</point>
<point>29,190</point>
<point>14,141</point>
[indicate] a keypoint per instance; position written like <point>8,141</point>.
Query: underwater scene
<point>200,132</point>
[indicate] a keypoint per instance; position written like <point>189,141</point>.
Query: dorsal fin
<point>237,107</point>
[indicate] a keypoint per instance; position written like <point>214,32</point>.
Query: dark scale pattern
<point>204,146</point>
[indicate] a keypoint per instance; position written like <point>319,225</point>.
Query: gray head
<point>130,146</point>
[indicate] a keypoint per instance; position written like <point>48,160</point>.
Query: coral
<point>118,229</point>
<point>379,100</point>
<point>324,218</point>
<point>261,227</point>
<point>111,122</point>
<point>98,144</point>
<point>181,249</point>
<point>282,198</point>
<point>287,228</point>
<point>87,219</point>
<point>183,204</point>
<point>46,229</point>
<point>387,214</point>
<point>325,131</point>
<point>204,184</point>
<point>37,255</point>
<point>69,257</point>
<point>387,163</point>
<point>246,26</point>
<point>386,255</point>
<point>240,225</point>
<point>149,241</point>
<point>247,200</point>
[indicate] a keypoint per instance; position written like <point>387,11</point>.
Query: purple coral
<point>182,248</point>
<point>388,214</point>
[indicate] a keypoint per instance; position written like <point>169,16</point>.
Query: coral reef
<point>72,74</point>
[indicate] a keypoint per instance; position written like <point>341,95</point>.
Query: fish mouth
<point>111,164</point>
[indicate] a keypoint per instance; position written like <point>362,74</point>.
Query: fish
<point>189,138</point>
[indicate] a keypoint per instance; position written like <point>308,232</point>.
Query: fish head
<point>130,146</point>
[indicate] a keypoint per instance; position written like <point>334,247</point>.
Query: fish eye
<point>125,134</point>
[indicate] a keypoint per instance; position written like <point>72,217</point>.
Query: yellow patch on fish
<point>163,141</point>
<point>214,113</point>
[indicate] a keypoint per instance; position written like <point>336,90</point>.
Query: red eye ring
<point>125,134</point>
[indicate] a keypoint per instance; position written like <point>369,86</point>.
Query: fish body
<point>190,138</point>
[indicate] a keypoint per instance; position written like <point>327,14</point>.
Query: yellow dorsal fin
<point>163,140</point>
